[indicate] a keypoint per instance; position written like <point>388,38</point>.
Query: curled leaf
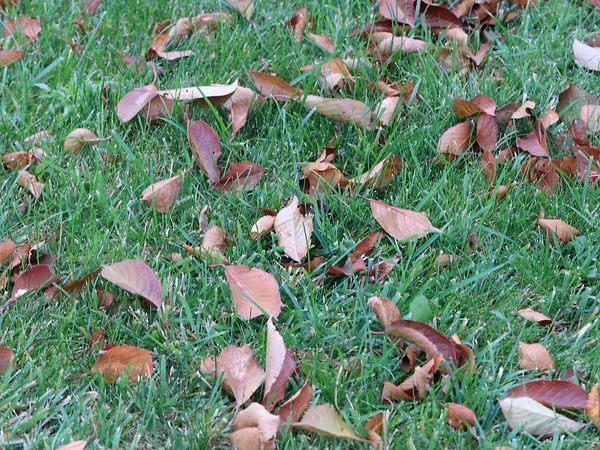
<point>559,229</point>
<point>387,312</point>
<point>556,394</point>
<point>279,367</point>
<point>294,231</point>
<point>254,428</point>
<point>262,227</point>
<point>431,341</point>
<point>292,410</point>
<point>534,316</point>
<point>414,388</point>
<point>30,182</point>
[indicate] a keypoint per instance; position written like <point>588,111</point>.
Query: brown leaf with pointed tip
<point>388,44</point>
<point>534,316</point>
<point>18,160</point>
<point>322,41</point>
<point>534,357</point>
<point>242,375</point>
<point>239,105</point>
<point>488,166</point>
<point>399,223</point>
<point>6,356</point>
<point>204,144</point>
<point>136,277</point>
<point>77,285</point>
<point>479,104</point>
<point>387,312</point>
<point>294,231</point>
<point>33,279</point>
<point>10,56</point>
<point>253,291</point>
<point>388,109</point>
<point>556,227</point>
<point>6,248</point>
<point>321,174</point>
<point>344,110</point>
<point>548,119</point>
<point>535,143</point>
<point>254,428</point>
<point>324,420</point>
<point>590,115</point>
<point>456,140</point>
<point>134,101</point>
<point>121,360</point>
<point>105,298</point>
<point>262,227</point>
<point>309,266</point>
<point>162,194</point>
<point>438,16</point>
<point>30,27</point>
<point>409,359</point>
<point>459,416</point>
<point>487,132</point>
<point>91,6</point>
<point>203,96</point>
<point>298,23</point>
<point>240,176</point>
<point>570,102</point>
<point>375,429</point>
<point>534,418</point>
<point>588,57</point>
<point>414,388</point>
<point>381,174</point>
<point>30,182</point>
<point>294,408</point>
<point>279,367</point>
<point>555,394</point>
<point>97,339</point>
<point>271,86</point>
<point>428,339</point>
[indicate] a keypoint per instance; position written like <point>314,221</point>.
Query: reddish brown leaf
<point>480,104</point>
<point>487,132</point>
<point>309,266</point>
<point>409,359</point>
<point>593,406</point>
<point>292,410</point>
<point>136,277</point>
<point>556,393</point>
<point>254,429</point>
<point>438,16</point>
<point>244,7</point>
<point>240,176</point>
<point>204,144</point>
<point>17,160</point>
<point>431,341</point>
<point>535,143</point>
<point>401,224</point>
<point>10,56</point>
<point>488,165</point>
<point>387,312</point>
<point>239,105</point>
<point>388,44</point>
<point>254,292</point>
<point>124,360</point>
<point>76,285</point>
<point>162,195</point>
<point>105,298</point>
<point>456,140</point>
<point>91,6</point>
<point>355,262</point>
<point>30,27</point>
<point>6,248</point>
<point>134,101</point>
<point>6,356</point>
<point>570,102</point>
<point>383,268</point>
<point>37,277</point>
<point>280,366</point>
<point>402,11</point>
<point>590,115</point>
<point>30,182</point>
<point>298,23</point>
<point>274,87</point>
<point>549,119</point>
<point>459,416</point>
<point>97,339</point>
<point>321,174</point>
<point>322,41</point>
<point>556,227</point>
<point>414,388</point>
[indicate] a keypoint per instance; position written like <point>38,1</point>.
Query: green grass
<point>89,214</point>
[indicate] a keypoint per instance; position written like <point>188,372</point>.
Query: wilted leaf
<point>118,361</point>
<point>244,7</point>
<point>375,428</point>
<point>556,394</point>
<point>6,356</point>
<point>401,223</point>
<point>409,359</point>
<point>274,87</point>
<point>459,416</point>
<point>388,44</point>
<point>534,316</point>
<point>534,418</point>
<point>294,231</point>
<point>136,277</point>
<point>134,101</point>
<point>254,428</point>
<point>30,182</point>
<point>388,109</point>
<point>239,105</point>
<point>17,160</point>
<point>381,174</point>
<point>32,279</point>
<point>204,144</point>
<point>98,339</point>
<point>342,110</point>
<point>456,140</point>
<point>79,137</point>
<point>105,298</point>
<point>162,194</point>
<point>548,119</point>
<point>487,132</point>
<point>309,266</point>
<point>203,96</point>
<point>242,375</point>
<point>414,388</point>
<point>213,246</point>
<point>10,56</point>
<point>431,341</point>
<point>480,104</point>
<point>262,227</point>
<point>556,227</point>
<point>535,143</point>
<point>534,357</point>
<point>298,23</point>
<point>240,176</point>
<point>320,174</point>
<point>279,366</point>
<point>6,248</point>
<point>588,57</point>
<point>355,261</point>
<point>253,292</point>
<point>324,420</point>
<point>30,27</point>
<point>387,312</point>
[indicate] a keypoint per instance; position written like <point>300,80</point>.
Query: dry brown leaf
<point>239,106</point>
<point>262,227</point>
<point>401,11</point>
<point>204,144</point>
<point>136,277</point>
<point>487,132</point>
<point>18,160</point>
<point>292,410</point>
<point>77,284</point>
<point>6,248</point>
<point>253,292</point>
<point>294,231</point>
<point>488,166</point>
<point>321,174</point>
<point>244,7</point>
<point>428,339</point>
<point>324,420</point>
<point>535,357</point>
<point>459,416</point>
<point>298,23</point>
<point>534,418</point>
<point>557,228</point>
<point>588,57</point>
<point>388,44</point>
<point>381,174</point>
<point>79,137</point>
<point>549,119</point>
<point>534,316</point>
<point>30,27</point>
<point>590,115</point>
<point>344,110</point>
<point>10,56</point>
<point>388,109</point>
<point>30,182</point>
<point>414,388</point>
<point>556,394</point>
<point>322,41</point>
<point>203,96</point>
<point>240,176</point>
<point>242,375</point>
<point>6,356</point>
<point>254,417</point>
<point>33,279</point>
<point>409,359</point>
<point>76,445</point>
<point>279,367</point>
<point>479,104</point>
<point>118,361</point>
<point>570,102</point>
<point>162,195</point>
<point>271,86</point>
<point>387,312</point>
<point>592,408</point>
<point>535,143</point>
<point>456,140</point>
<point>214,245</point>
<point>105,298</point>
<point>399,223</point>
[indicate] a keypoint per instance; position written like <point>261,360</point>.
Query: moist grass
<point>89,214</point>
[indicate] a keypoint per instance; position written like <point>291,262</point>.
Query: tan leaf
<point>214,245</point>
<point>30,27</point>
<point>388,109</point>
<point>203,96</point>
<point>274,87</point>
<point>534,357</point>
<point>162,195</point>
<point>401,224</point>
<point>342,110</point>
<point>30,182</point>
<point>6,248</point>
<point>590,114</point>
<point>588,57</point>
<point>322,41</point>
<point>414,388</point>
<point>244,7</point>
<point>10,56</point>
<point>557,228</point>
<point>262,227</point>
<point>534,418</point>
<point>387,312</point>
<point>459,416</point>
<point>456,140</point>
<point>37,138</point>
<point>204,144</point>
<point>118,361</point>
<point>240,176</point>
<point>409,359</point>
<point>523,111</point>
<point>248,439</point>
<point>242,375</point>
<point>6,356</point>
<point>549,119</point>
<point>388,44</point>
<point>534,316</point>
<point>254,292</point>
<point>136,277</point>
<point>376,429</point>
<point>320,174</point>
<point>76,445</point>
<point>254,416</point>
<point>294,231</point>
<point>292,410</point>
<point>381,174</point>
<point>18,160</point>
<point>324,420</point>
<point>593,406</point>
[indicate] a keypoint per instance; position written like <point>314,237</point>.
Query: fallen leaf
<point>136,277</point>
<point>383,268</point>
<point>534,316</point>
<point>592,408</point>
<point>253,291</point>
<point>10,56</point>
<point>298,23</point>
<point>203,96</point>
<point>344,110</point>
<point>244,7</point>
<point>324,420</point>
<point>262,227</point>
<point>381,174</point>
<point>30,182</point>
<point>254,428</point>
<point>556,394</point>
<point>488,166</point>
<point>399,223</point>
<point>321,174</point>
<point>98,339</point>
<point>30,27</point>
<point>322,41</point>
<point>402,11</point>
<point>479,104</point>
<point>414,388</point>
<point>294,231</point>
<point>292,410</point>
<point>588,57</point>
<point>204,144</point>
<point>134,101</point>
<point>6,356</point>
<point>557,228</point>
<point>18,160</point>
<point>77,284</point>
<point>590,115</point>
<point>376,429</point>
<point>279,367</point>
<point>438,16</point>
<point>387,312</point>
<point>535,143</point>
<point>37,138</point>
<point>33,279</point>
<point>487,132</point>
<point>121,360</point>
<point>431,341</point>
<point>239,105</point>
<point>214,245</point>
<point>240,176</point>
<point>76,445</point>
<point>388,110</point>
<point>388,44</point>
<point>456,140</point>
<point>105,298</point>
<point>274,87</point>
<point>459,416</point>
<point>535,357</point>
<point>242,375</point>
<point>534,418</point>
<point>549,119</point>
<point>162,195</point>
<point>409,359</point>
<point>355,261</point>
<point>6,248</point>
<point>570,102</point>
<point>309,266</point>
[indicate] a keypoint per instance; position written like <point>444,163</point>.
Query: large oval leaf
<point>124,360</point>
<point>254,292</point>
<point>431,341</point>
<point>401,223</point>
<point>136,277</point>
<point>294,231</point>
<point>553,393</point>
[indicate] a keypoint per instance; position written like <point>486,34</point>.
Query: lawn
<point>89,215</point>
